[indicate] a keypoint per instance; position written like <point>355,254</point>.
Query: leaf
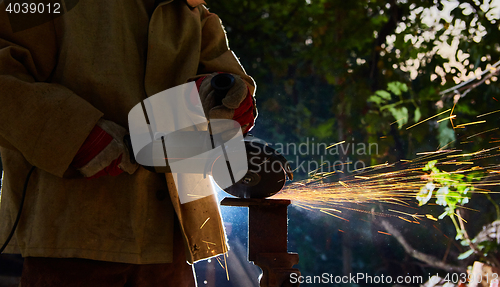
<point>397,88</point>
<point>417,115</point>
<point>475,175</point>
<point>446,134</point>
<point>429,165</point>
<point>425,194</point>
<point>383,94</point>
<point>465,254</point>
<point>331,79</point>
<point>442,196</point>
<point>400,114</point>
<point>375,99</point>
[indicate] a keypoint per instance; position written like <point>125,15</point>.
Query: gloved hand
<point>103,152</point>
<point>237,105</point>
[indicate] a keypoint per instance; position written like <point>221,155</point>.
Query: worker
<point>91,217</point>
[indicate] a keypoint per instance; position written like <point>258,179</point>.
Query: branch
<point>465,234</point>
<point>429,259</point>
<point>460,87</point>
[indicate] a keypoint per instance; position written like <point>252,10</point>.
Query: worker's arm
<point>217,57</point>
<point>46,122</point>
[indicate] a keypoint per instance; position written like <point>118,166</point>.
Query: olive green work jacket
<point>57,79</point>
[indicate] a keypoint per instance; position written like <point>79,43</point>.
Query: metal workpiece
<point>267,239</point>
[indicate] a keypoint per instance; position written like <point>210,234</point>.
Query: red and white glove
<point>104,152</point>
<point>238,104</point>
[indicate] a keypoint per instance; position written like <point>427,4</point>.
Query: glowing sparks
<point>395,184</point>
<point>405,219</point>
<point>204,223</point>
<point>448,118</point>
<point>428,119</point>
<point>460,217</point>
<point>334,145</point>
<point>388,184</point>
<point>414,216</point>
<point>331,214</point>
<point>433,152</point>
<point>431,217</point>
<point>451,114</point>
<point>220,263</point>
<point>468,124</point>
<point>399,120</point>
<point>488,114</point>
<point>482,133</point>
<point>343,184</point>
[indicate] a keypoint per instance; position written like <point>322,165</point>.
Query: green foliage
<point>349,70</point>
<point>388,105</point>
<point>319,60</point>
<point>450,189</point>
<point>486,248</point>
<point>397,88</point>
<point>446,135</point>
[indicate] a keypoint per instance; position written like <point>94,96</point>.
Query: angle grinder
<point>267,170</point>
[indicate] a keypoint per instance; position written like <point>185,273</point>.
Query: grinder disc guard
<point>266,175</point>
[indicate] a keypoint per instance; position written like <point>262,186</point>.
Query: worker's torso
<point>116,53</point>
<point>113,54</point>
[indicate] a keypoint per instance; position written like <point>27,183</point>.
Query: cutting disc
<point>266,175</point>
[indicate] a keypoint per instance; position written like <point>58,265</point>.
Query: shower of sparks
<point>396,184</point>
<point>387,184</point>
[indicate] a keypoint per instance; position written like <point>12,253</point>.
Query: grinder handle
<point>221,84</point>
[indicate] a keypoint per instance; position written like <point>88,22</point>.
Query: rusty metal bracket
<point>267,239</point>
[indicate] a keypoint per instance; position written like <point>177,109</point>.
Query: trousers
<point>77,272</point>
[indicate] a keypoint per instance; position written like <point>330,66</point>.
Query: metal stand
<point>267,239</point>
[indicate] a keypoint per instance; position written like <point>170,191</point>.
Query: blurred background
<point>362,72</point>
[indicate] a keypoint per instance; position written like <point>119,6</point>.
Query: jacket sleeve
<point>44,121</point>
<point>215,54</point>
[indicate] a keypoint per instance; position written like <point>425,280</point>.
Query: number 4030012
<point>33,8</point>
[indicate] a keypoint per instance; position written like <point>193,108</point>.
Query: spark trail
<point>395,184</point>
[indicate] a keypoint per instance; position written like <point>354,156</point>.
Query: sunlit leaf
<point>397,88</point>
